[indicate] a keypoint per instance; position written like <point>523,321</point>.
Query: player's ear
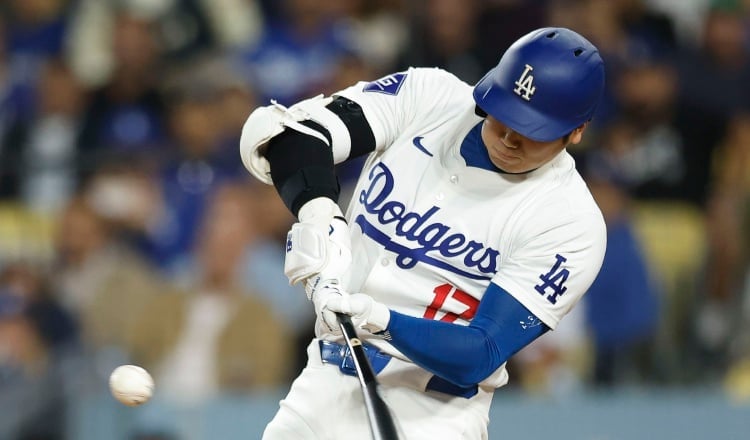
<point>577,134</point>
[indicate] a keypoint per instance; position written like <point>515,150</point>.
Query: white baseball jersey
<point>429,232</point>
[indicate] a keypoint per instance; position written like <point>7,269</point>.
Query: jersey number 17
<point>442,293</point>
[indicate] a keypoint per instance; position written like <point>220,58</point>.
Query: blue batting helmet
<point>546,84</point>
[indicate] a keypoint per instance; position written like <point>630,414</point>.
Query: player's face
<point>514,153</point>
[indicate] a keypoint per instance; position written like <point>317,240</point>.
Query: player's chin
<point>508,164</point>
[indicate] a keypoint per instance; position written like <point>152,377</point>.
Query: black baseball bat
<point>382,426</point>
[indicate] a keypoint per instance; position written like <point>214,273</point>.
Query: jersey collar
<point>475,152</point>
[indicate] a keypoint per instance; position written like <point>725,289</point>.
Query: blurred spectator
<point>263,270</point>
<point>121,192</point>
<point>33,30</point>
<point>41,152</point>
<point>102,282</point>
<point>57,329</point>
<point>37,27</point>
<point>664,150</point>
<point>687,16</point>
<point>622,304</point>
<point>722,310</point>
<point>35,334</point>
<point>30,407</point>
<point>16,103</point>
<point>651,152</point>
<point>215,336</point>
<point>715,80</point>
<point>200,158</point>
<point>623,30</point>
<point>126,114</point>
<point>377,29</point>
<point>728,267</point>
<point>184,28</point>
<point>209,82</point>
<point>190,27</point>
<point>626,32</point>
<point>295,57</point>
<point>233,22</point>
<point>448,38</point>
<point>668,154</point>
<point>650,165</point>
<point>651,28</point>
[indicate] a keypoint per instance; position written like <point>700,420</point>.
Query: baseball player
<point>469,233</point>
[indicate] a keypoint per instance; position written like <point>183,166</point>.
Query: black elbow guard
<point>302,167</point>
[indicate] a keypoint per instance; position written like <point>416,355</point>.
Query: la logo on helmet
<point>525,84</point>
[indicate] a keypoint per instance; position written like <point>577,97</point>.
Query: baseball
<point>131,385</point>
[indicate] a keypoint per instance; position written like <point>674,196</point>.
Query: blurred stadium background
<point>130,233</point>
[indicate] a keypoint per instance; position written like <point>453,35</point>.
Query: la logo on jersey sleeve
<point>554,280</point>
<point>389,85</point>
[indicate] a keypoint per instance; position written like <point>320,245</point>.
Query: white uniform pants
<point>326,404</point>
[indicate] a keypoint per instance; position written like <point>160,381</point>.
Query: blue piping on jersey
<point>475,152</point>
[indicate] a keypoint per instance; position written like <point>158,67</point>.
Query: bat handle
<point>382,426</point>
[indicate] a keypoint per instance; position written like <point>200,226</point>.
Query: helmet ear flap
<point>547,83</point>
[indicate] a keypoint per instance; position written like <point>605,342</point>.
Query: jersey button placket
<point>441,195</point>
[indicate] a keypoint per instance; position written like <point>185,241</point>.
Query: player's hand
<point>318,245</point>
<point>338,257</point>
<point>365,311</point>
<point>321,295</point>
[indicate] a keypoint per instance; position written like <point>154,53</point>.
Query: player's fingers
<point>339,304</point>
<point>323,326</point>
<point>330,321</point>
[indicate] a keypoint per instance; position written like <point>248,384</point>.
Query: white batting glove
<point>319,244</point>
<point>326,319</point>
<point>365,311</point>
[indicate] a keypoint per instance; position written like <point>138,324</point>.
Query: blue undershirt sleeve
<point>466,355</point>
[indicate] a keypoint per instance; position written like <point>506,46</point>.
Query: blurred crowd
<point>131,233</point>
